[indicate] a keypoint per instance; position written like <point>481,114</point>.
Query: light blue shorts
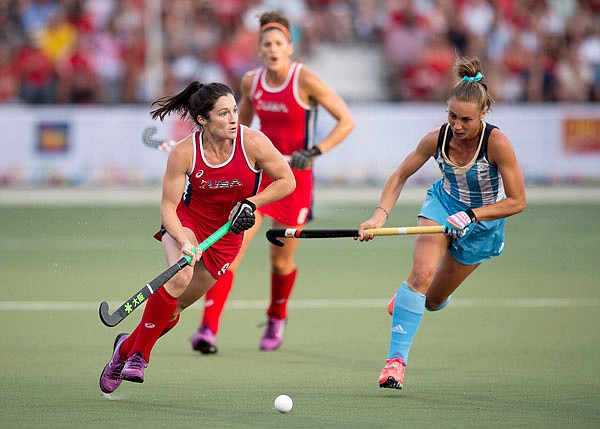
<point>481,242</point>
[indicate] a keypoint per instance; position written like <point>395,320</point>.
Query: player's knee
<point>421,278</point>
<point>180,282</point>
<point>281,265</point>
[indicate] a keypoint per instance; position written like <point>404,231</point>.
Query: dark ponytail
<point>197,99</point>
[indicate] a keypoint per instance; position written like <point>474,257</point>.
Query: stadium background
<point>77,77</point>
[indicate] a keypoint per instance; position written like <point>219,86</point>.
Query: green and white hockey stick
<point>152,286</point>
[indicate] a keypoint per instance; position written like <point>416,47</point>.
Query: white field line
<point>323,195</point>
<point>312,304</point>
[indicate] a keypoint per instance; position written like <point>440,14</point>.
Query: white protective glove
<point>457,225</point>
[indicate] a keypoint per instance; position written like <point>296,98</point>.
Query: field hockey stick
<point>274,233</point>
<point>167,145</point>
<point>150,141</point>
<point>151,287</point>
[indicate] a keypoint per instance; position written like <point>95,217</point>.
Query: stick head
<point>148,134</point>
<point>272,237</point>
<point>109,320</point>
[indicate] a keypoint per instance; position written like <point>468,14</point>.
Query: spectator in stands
<point>77,79</point>
<point>11,32</point>
<point>524,40</point>
<point>426,78</point>
<point>572,75</point>
<point>134,57</point>
<point>590,52</point>
<point>37,79</point>
<point>108,61</point>
<point>478,17</point>
<point>35,14</point>
<point>58,36</point>
<point>9,83</point>
<point>405,35</point>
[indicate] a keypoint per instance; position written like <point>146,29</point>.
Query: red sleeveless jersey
<point>287,120</point>
<point>211,193</point>
<point>213,190</point>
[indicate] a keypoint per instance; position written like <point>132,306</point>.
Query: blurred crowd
<point>130,51</point>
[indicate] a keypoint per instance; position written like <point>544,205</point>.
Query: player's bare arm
<point>178,165</point>
<point>501,153</point>
<point>246,110</point>
<point>395,183</point>
<point>313,89</point>
<point>411,164</point>
<point>265,156</point>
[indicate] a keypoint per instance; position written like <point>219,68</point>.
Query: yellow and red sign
<point>53,137</point>
<point>581,135</point>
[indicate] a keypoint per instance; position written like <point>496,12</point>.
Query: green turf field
<point>518,347</point>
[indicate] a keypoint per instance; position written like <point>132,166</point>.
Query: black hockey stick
<point>150,141</point>
<point>152,286</point>
<point>274,233</point>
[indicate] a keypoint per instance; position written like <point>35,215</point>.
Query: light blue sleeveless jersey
<point>480,185</point>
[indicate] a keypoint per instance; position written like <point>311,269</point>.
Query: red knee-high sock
<point>170,325</point>
<point>215,299</point>
<point>125,349</point>
<point>157,314</point>
<point>281,289</point>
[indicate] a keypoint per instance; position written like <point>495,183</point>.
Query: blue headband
<point>475,78</point>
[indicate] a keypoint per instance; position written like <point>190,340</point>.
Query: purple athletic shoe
<point>133,370</point>
<point>110,378</point>
<point>204,340</point>
<point>273,336</point>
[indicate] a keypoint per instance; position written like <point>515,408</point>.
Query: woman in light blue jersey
<point>481,185</point>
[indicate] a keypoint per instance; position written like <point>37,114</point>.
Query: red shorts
<point>296,208</point>
<point>220,255</point>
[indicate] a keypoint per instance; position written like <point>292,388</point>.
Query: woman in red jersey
<point>284,94</point>
<point>212,176</point>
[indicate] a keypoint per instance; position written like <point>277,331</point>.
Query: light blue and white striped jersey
<point>477,184</point>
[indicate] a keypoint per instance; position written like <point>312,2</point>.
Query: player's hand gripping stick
<point>457,225</point>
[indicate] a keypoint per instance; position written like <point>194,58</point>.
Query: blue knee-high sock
<point>408,311</point>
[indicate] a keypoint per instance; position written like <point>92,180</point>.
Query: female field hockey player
<point>481,185</point>
<point>284,95</point>
<point>211,176</point>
